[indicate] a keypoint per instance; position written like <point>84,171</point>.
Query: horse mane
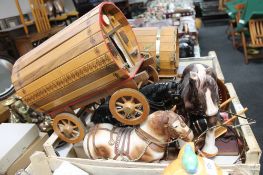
<point>192,95</point>
<point>158,120</point>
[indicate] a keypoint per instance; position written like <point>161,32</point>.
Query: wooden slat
<point>146,39</point>
<point>145,31</point>
<point>90,30</point>
<point>111,68</point>
<point>44,14</point>
<point>252,32</point>
<point>68,78</point>
<point>55,58</point>
<point>256,32</point>
<point>168,39</point>
<point>63,70</point>
<point>168,31</point>
<point>77,93</point>
<point>167,47</point>
<point>150,46</point>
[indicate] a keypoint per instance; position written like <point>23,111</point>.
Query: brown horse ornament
<point>145,143</point>
<point>200,97</point>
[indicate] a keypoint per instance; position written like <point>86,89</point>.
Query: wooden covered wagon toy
<point>94,57</point>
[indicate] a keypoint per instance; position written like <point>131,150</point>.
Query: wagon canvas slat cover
<point>96,51</point>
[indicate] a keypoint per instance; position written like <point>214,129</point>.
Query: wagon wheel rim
<point>129,106</point>
<point>68,127</point>
<point>153,74</point>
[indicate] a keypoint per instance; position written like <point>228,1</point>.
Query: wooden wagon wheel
<point>153,74</point>
<point>68,127</point>
<point>129,106</point>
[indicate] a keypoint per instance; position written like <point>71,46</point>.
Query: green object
<point>253,9</point>
<point>190,160</point>
<point>231,7</point>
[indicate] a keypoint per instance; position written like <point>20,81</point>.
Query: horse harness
<point>122,139</point>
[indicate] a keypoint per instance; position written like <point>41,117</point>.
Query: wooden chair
<point>233,23</point>
<point>41,21</point>
<point>221,4</point>
<point>256,37</point>
<point>39,14</point>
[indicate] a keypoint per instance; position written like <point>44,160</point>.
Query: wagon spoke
<point>120,110</point>
<point>124,99</point>
<point>75,132</point>
<point>61,127</point>
<point>138,105</point>
<point>64,122</point>
<point>73,135</point>
<point>74,126</point>
<point>120,104</point>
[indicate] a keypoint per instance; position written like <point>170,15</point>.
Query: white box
<point>15,138</point>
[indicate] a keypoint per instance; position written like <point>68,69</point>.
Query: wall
<point>8,7</point>
<point>69,5</point>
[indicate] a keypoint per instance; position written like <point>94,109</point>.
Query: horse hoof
<point>209,151</point>
<point>208,155</point>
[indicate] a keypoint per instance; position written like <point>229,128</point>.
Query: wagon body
<point>87,59</point>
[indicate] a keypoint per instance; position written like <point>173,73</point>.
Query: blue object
<point>190,160</point>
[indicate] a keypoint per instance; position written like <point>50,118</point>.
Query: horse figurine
<point>146,142</point>
<point>188,163</point>
<point>199,92</point>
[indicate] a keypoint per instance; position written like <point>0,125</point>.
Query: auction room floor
<point>247,79</point>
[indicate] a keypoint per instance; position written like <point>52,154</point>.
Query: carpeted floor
<point>247,79</point>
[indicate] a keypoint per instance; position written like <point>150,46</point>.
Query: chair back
<point>256,32</point>
<point>40,15</point>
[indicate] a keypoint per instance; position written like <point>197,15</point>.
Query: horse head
<point>200,90</point>
<point>168,124</point>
